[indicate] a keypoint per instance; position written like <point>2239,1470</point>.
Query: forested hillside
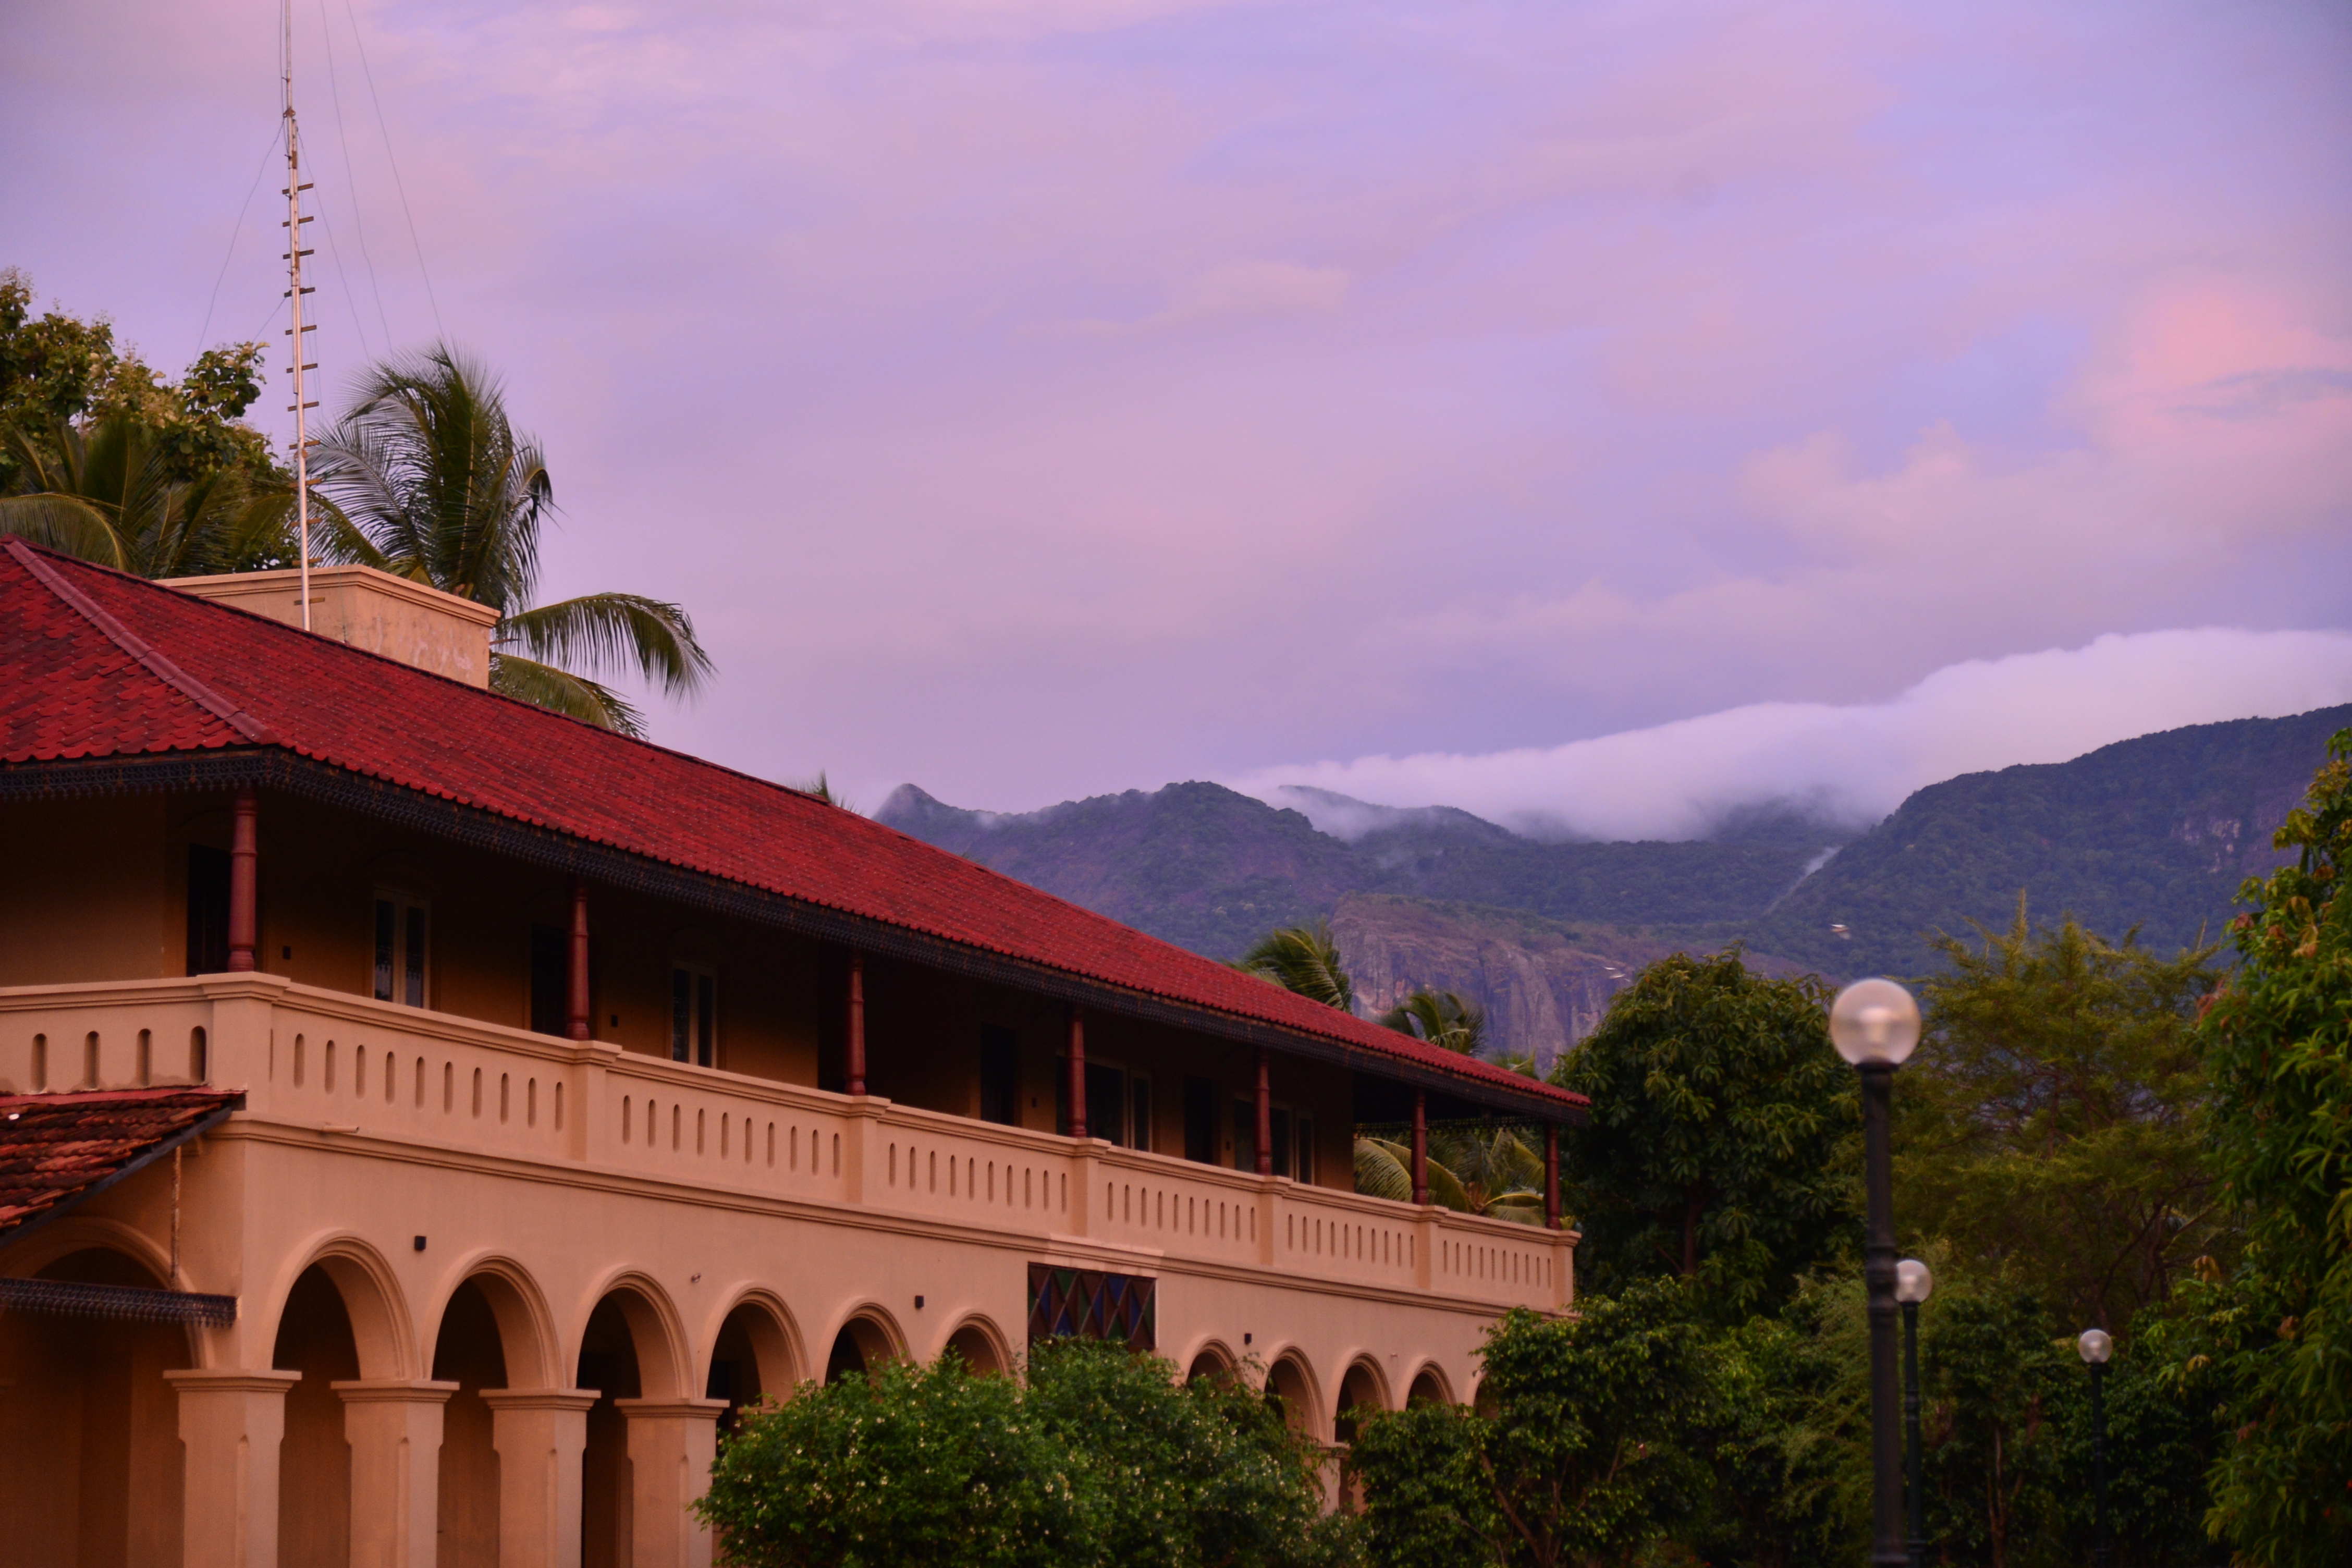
<point>2157,831</point>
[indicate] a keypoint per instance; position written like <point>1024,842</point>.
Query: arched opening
<point>608,1364</point>
<point>980,1348</point>
<point>314,1462</point>
<point>862,1345</point>
<point>753,1359</point>
<point>89,1450</point>
<point>1360,1393</point>
<point>1290,1387</point>
<point>468,1353</point>
<point>1212,1361</point>
<point>1428,1388</point>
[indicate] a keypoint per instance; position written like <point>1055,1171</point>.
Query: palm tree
<point>428,480</point>
<point>1441,1017</point>
<point>1491,1173</point>
<point>1303,959</point>
<point>106,491</point>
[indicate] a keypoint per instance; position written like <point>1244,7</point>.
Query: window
<point>1278,1124</point>
<point>1304,1160</point>
<point>1000,1075</point>
<point>1244,1135</point>
<point>1201,1119</point>
<point>1140,1122</point>
<point>401,925</point>
<point>693,1014</point>
<point>207,910</point>
<point>1107,1102</point>
<point>551,980</point>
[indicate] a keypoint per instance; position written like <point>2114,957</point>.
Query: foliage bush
<point>1098,1458</point>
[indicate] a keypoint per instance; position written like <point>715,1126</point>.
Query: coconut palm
<point>428,480</point>
<point>107,491</point>
<point>1441,1017</point>
<point>1303,959</point>
<point>1488,1172</point>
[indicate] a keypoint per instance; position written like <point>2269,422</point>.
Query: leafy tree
<point>1167,1475</point>
<point>900,1463</point>
<point>1100,1457</point>
<point>2052,1121</point>
<point>2270,1340</point>
<point>1720,1135</point>
<point>1783,1449</point>
<point>103,459</point>
<point>1577,1452</point>
<point>431,483</point>
<point>1304,959</point>
<point>1441,1017</point>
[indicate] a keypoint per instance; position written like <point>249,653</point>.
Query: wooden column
<point>1421,1147</point>
<point>576,971</point>
<point>244,883</point>
<point>1077,1065</point>
<point>1265,1118</point>
<point>854,1064</point>
<point>1551,1175</point>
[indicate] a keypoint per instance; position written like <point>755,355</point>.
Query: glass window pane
<point>384,941</point>
<point>1141,1125</point>
<point>415,967</point>
<point>705,1019</point>
<point>681,1014</point>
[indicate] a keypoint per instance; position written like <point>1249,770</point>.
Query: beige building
<point>428,1119</point>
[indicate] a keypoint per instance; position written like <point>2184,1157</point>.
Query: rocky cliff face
<point>1544,984</point>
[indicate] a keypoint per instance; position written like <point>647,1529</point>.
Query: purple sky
<point>1030,400</point>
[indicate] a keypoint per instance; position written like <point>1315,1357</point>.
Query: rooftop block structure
<point>430,1121</point>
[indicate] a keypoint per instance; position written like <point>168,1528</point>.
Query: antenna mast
<point>295,291</point>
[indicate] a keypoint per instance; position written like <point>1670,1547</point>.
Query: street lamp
<point>1874,1024</point>
<point>2096,1347</point>
<point>1912,1284</point>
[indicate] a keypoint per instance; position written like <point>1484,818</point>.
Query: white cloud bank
<point>1676,779</point>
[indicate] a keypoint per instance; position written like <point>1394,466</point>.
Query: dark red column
<point>857,1062</point>
<point>1551,1175</point>
<point>244,881</point>
<point>1419,1147</point>
<point>1265,1118</point>
<point>576,971</point>
<point>1077,1066</point>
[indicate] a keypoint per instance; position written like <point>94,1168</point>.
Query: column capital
<point>394,1391</point>
<point>231,1380</point>
<point>683,1409</point>
<point>540,1398</point>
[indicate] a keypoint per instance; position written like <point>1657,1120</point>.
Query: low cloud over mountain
<point>1850,763</point>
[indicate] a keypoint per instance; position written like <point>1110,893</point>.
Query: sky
<point>1586,413</point>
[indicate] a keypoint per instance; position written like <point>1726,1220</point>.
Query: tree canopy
<point>1720,1131</point>
<point>2051,1123</point>
<point>1304,959</point>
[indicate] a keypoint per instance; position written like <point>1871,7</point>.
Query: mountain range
<point>2156,833</point>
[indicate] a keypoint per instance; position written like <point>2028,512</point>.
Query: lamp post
<point>1912,1284</point>
<point>1874,1024</point>
<point>2096,1347</point>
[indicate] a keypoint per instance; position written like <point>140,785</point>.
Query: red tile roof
<point>57,1149</point>
<point>97,664</point>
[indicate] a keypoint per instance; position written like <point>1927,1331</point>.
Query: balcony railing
<point>353,1066</point>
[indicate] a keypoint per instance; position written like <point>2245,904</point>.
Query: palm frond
<point>645,636</point>
<point>1441,1017</point>
<point>1383,1170</point>
<point>564,692</point>
<point>66,523</point>
<point>1304,959</point>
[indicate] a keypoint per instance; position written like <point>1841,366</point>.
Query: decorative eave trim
<point>550,849</point>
